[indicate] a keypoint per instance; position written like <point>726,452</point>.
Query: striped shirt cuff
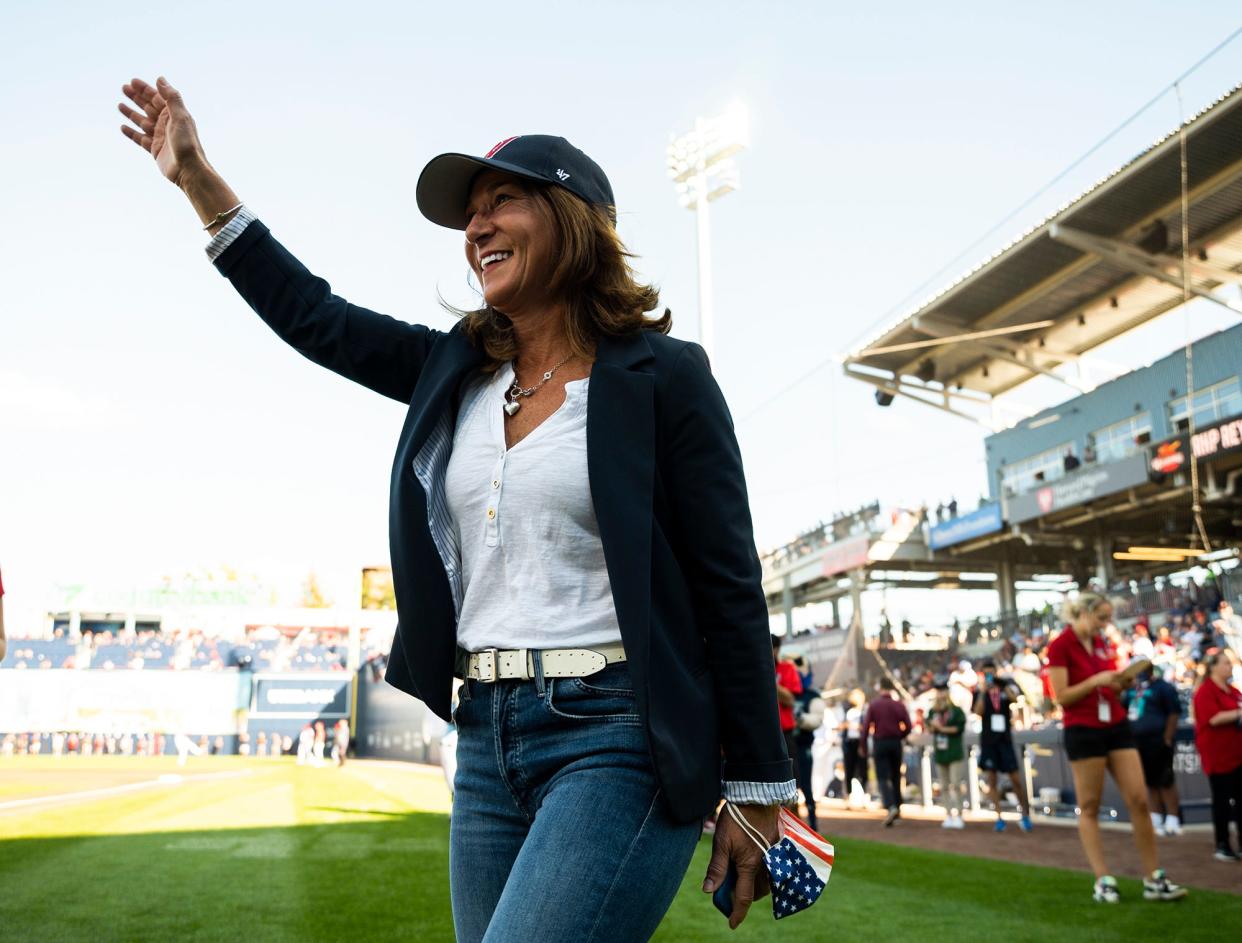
<point>232,229</point>
<point>745,793</point>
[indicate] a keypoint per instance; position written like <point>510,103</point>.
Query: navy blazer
<point>669,494</point>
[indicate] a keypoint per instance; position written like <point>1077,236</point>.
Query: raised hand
<point>164,127</point>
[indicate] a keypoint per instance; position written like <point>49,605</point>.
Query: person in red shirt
<point>788,687</point>
<point>1218,735</point>
<point>1082,669</point>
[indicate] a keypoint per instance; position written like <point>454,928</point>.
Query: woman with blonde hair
<point>1082,670</point>
<point>851,738</point>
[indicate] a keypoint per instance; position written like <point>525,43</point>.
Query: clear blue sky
<point>150,423</point>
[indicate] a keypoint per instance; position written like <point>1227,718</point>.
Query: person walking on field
<point>947,725</point>
<point>1154,709</point>
<point>854,745</point>
<point>570,535</point>
<point>887,722</point>
<point>1082,670</point>
<point>994,703</point>
<point>1218,735</point>
<point>340,741</point>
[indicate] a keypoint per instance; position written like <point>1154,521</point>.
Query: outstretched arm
<point>382,353</point>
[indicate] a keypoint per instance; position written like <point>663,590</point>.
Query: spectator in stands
<point>888,724</point>
<point>788,687</point>
<point>1154,711</point>
<point>996,698</point>
<point>951,507</point>
<point>1086,683</point>
<point>854,744</point>
<point>1230,626</point>
<point>1070,462</point>
<point>1141,645</point>
<point>947,725</point>
<point>1218,735</point>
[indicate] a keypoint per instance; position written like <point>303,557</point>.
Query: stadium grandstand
<point>206,662</point>
<point>1131,485</point>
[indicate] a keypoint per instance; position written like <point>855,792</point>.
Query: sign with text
<point>312,696</point>
<point>1080,486</point>
<point>1220,438</point>
<point>986,520</point>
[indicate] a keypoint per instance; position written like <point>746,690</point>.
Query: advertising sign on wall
<point>1220,438</point>
<point>306,695</point>
<point>847,554</point>
<point>986,520</point>
<point>1080,486</point>
<point>138,702</point>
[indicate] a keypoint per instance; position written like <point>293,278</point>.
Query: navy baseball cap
<point>444,185</point>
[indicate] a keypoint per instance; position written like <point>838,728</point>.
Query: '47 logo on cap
<point>560,173</point>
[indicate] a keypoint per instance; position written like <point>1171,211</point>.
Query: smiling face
<point>510,244</point>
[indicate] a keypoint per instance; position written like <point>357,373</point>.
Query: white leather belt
<point>494,664</point>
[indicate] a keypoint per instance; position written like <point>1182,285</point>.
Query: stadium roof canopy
<point>1102,265</point>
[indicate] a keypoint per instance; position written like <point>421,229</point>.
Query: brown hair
<point>592,275</point>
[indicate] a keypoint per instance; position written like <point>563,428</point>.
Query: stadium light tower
<point>701,164</point>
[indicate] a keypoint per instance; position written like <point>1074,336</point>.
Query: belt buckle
<point>488,674</point>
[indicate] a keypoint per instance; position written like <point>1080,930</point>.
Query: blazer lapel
<point>440,381</point>
<point>620,466</point>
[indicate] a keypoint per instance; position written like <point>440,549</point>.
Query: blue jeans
<point>559,830</point>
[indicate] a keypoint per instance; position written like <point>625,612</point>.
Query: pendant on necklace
<point>512,407</point>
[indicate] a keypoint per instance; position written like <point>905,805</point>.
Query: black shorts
<point>1157,757</point>
<point>1083,743</point>
<point>998,756</point>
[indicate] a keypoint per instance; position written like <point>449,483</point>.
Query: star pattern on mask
<point>795,885</point>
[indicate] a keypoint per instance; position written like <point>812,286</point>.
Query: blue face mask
<point>799,865</point>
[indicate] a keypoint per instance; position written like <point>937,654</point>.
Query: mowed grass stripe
<point>364,863</point>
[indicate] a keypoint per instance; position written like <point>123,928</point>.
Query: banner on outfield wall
<point>197,702</point>
<point>986,520</point>
<point>302,696</point>
<point>1078,487</point>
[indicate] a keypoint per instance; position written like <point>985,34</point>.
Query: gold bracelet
<point>220,217</point>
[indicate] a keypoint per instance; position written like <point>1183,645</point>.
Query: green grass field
<point>264,850</point>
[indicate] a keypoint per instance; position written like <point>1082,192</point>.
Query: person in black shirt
<point>996,752</point>
<point>1155,709</point>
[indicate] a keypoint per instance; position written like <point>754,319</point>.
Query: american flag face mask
<point>799,865</point>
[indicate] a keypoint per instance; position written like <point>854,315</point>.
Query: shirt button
<point>491,514</point>
<point>495,483</point>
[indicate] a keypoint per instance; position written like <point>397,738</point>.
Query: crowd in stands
<point>189,650</point>
<point>1174,626</point>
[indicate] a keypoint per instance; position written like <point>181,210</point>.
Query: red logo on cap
<point>492,152</point>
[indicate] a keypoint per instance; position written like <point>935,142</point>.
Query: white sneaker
<point>1159,887</point>
<point>1106,890</point>
<point>1172,826</point>
<point>957,822</point>
<point>948,822</point>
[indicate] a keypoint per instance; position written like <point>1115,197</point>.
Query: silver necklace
<point>512,405</point>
